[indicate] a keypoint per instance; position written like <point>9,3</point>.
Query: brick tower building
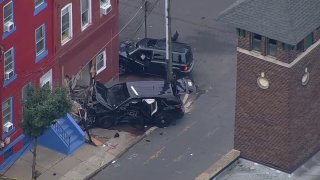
<point>278,80</point>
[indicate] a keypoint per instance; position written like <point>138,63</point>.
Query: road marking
<point>187,128</point>
<point>155,155</point>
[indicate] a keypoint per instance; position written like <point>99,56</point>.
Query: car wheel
<point>162,120</point>
<point>105,121</point>
<point>122,69</point>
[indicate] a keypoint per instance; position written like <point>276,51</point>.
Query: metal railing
<point>62,133</point>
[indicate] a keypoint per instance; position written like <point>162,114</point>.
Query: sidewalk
<point>83,164</point>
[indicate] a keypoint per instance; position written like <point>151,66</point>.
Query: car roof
<point>160,44</point>
<point>149,89</point>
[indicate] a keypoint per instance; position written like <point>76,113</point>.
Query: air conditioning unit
<point>7,140</point>
<point>105,8</point>
<point>8,74</point>
<point>8,26</point>
<point>7,127</point>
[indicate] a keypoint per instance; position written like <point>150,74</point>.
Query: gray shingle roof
<point>288,21</point>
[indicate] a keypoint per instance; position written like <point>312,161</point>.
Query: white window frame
<point>46,78</point>
<point>9,113</point>
<point>69,9</point>
<point>89,11</point>
<point>104,56</point>
<point>41,39</point>
<point>8,17</point>
<point>6,64</point>
<point>39,4</point>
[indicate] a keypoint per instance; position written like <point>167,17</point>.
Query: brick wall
<point>278,126</point>
<point>244,42</point>
<point>305,109</point>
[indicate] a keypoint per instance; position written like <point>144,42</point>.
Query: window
<point>105,7</point>
<point>159,56</point>
<point>287,47</point>
<point>40,40</point>
<point>272,47</point>
<point>9,64</point>
<point>39,6</point>
<point>309,40</point>
<point>66,23</point>
<point>85,13</point>
<point>26,90</point>
<point>7,111</point>
<point>101,62</point>
<point>300,46</point>
<point>46,79</point>
<point>241,32</point>
<point>38,2</point>
<point>256,42</point>
<point>8,22</point>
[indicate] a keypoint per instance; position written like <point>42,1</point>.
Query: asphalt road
<point>192,144</point>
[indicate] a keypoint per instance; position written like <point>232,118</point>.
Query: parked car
<point>148,56</point>
<point>138,103</point>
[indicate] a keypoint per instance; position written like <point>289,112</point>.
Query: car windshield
<point>117,94</point>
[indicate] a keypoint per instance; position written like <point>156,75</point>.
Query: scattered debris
<point>148,140</point>
<point>191,154</point>
<point>116,135</point>
<point>114,161</point>
<point>132,156</point>
<point>161,133</point>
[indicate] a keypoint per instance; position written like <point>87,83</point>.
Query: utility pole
<point>145,18</point>
<point>168,41</point>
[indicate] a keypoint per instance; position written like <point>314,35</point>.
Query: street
<point>189,146</point>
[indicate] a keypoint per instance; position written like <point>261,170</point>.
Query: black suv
<point>148,56</point>
<point>138,103</point>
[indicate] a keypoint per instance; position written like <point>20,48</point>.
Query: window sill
<point>41,56</point>
<point>7,134</point>
<point>100,70</point>
<point>40,8</point>
<point>63,42</point>
<point>6,34</point>
<point>8,81</point>
<point>85,26</point>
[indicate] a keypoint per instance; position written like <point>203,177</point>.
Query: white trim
<point>275,61</point>
<point>89,15</point>
<point>103,53</point>
<point>69,7</point>
<point>46,78</point>
<point>42,27</point>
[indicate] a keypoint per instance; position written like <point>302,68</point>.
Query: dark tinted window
<point>159,56</point>
<point>177,58</point>
<point>256,42</point>
<point>272,47</point>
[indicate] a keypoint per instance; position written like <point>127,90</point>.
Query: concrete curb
<point>138,139</point>
<point>219,165</point>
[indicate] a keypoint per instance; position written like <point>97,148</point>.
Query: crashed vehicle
<point>139,103</point>
<point>148,56</point>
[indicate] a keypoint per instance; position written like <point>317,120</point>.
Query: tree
<point>41,108</point>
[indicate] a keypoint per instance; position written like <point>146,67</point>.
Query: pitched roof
<point>288,21</point>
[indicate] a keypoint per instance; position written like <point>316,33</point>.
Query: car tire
<point>122,69</point>
<point>162,120</point>
<point>105,122</point>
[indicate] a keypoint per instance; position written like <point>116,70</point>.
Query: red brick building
<point>41,42</point>
<point>278,79</point>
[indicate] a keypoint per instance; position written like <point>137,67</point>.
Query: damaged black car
<point>138,103</point>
